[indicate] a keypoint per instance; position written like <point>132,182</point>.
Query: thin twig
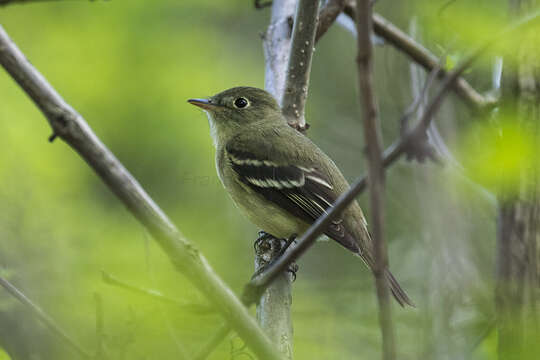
<point>299,66</point>
<point>445,6</point>
<point>328,15</point>
<point>181,353</point>
<point>390,155</point>
<point>156,295</point>
<point>213,343</point>
<point>70,126</point>
<point>373,140</point>
<point>45,319</point>
<point>419,100</point>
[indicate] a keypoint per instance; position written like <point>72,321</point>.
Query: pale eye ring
<point>241,103</point>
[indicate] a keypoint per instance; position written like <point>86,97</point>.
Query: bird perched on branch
<point>279,178</point>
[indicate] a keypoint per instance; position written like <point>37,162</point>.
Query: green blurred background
<point>128,68</point>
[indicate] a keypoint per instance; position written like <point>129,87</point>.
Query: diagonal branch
<point>328,15</point>
<point>390,156</point>
<point>45,319</point>
<point>213,343</point>
<point>73,129</point>
<point>373,140</point>
<point>156,295</point>
<point>418,53</point>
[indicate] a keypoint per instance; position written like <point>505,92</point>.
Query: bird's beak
<point>203,103</point>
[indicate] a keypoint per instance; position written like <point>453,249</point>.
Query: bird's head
<point>240,105</point>
<point>235,108</point>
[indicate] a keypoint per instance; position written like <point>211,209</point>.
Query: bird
<point>278,178</point>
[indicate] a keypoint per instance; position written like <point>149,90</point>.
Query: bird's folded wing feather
<point>303,191</point>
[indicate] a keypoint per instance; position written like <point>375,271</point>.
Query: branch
<point>156,295</point>
<point>299,66</point>
<point>274,306</point>
<point>373,140</point>
<point>213,343</point>
<point>328,15</point>
<point>418,53</point>
<point>45,319</point>
<point>73,129</point>
<point>390,155</point>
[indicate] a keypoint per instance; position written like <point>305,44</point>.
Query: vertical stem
<point>299,66</point>
<point>375,171</point>
<point>274,306</point>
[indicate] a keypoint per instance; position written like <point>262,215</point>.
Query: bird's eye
<point>241,102</point>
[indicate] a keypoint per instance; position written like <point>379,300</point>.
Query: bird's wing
<point>303,191</point>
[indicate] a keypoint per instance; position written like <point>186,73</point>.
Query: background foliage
<point>129,67</point>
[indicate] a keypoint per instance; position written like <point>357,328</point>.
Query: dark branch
<point>328,15</point>
<point>373,140</point>
<point>45,319</point>
<point>299,66</point>
<point>421,148</point>
<point>73,129</point>
<point>419,54</point>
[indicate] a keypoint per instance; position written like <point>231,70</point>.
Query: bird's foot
<point>270,249</point>
<point>292,269</point>
<point>262,236</point>
<point>288,243</point>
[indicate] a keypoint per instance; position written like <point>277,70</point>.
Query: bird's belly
<point>267,216</point>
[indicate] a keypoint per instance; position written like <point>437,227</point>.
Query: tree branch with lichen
<point>299,66</point>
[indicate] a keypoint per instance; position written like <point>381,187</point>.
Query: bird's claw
<point>292,269</point>
<point>262,236</point>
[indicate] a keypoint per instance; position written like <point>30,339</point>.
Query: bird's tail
<point>399,294</point>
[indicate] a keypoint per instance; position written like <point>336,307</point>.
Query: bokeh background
<point>128,68</point>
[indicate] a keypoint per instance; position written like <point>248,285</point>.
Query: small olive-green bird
<point>277,177</point>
